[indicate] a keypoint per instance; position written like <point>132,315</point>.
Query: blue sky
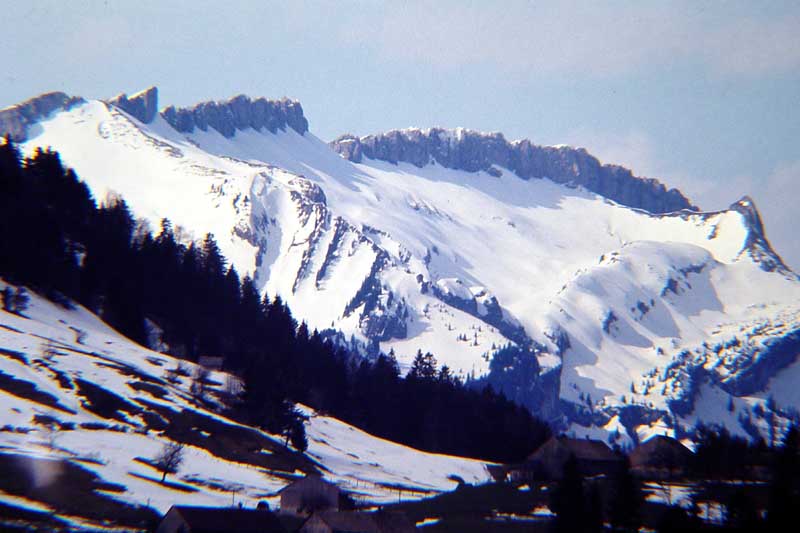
<point>702,95</point>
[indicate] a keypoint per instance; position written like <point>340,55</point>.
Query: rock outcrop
<point>238,113</point>
<point>474,151</point>
<point>142,105</point>
<point>757,244</point>
<point>15,120</point>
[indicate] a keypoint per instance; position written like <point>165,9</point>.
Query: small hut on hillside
<point>309,494</point>
<point>594,458</point>
<point>660,458</point>
<point>211,362</point>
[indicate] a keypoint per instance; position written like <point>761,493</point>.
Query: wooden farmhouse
<point>661,458</point>
<point>594,458</point>
<point>307,495</point>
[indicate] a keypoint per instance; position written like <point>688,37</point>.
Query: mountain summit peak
<point>757,244</point>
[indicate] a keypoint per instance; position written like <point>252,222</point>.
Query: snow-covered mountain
<point>637,312</point>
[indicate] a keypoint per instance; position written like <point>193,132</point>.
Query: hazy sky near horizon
<point>704,96</point>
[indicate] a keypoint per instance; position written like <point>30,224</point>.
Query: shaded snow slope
<point>104,403</point>
<point>460,263</point>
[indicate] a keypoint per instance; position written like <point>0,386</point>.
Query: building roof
<point>308,480</point>
<point>659,451</point>
<point>393,522</point>
<point>581,449</point>
<point>349,521</point>
<point>211,361</point>
<point>224,519</point>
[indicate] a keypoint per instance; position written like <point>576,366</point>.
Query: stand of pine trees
<point>57,241</point>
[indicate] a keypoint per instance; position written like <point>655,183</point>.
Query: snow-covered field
<point>54,417</point>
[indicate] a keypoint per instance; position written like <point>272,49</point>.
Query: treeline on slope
<point>55,239</point>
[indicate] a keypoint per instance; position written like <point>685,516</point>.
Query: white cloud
<point>580,38</point>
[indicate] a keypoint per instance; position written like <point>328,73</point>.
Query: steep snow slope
<point>50,361</point>
<point>628,313</point>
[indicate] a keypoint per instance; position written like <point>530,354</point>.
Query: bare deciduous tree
<point>169,459</point>
<point>199,386</point>
<point>49,351</point>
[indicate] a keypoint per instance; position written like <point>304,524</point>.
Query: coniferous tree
<point>626,501</point>
<point>784,495</point>
<point>423,367</point>
<point>567,500</point>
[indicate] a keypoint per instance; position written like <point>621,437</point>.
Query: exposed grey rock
<point>492,312</point>
<point>759,367</point>
<point>473,151</point>
<point>238,113</point>
<point>383,316</point>
<point>15,120</point>
<point>142,105</point>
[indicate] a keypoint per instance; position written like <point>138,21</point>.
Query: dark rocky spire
<point>142,105</point>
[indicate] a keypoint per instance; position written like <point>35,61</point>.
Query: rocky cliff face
<point>473,151</point>
<point>757,244</point>
<point>142,105</point>
<point>238,113</point>
<point>15,120</point>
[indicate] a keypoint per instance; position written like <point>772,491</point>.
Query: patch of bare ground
<point>70,490</point>
<point>14,518</point>
<point>166,483</point>
<point>151,389</point>
<point>105,403</point>
<point>27,390</point>
<point>13,354</point>
<point>229,441</point>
